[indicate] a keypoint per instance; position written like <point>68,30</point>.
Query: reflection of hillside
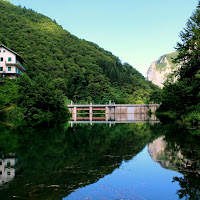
<point>180,151</point>
<point>172,158</point>
<point>57,162</point>
<point>156,148</point>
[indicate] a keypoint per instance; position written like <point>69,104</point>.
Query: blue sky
<point>137,31</point>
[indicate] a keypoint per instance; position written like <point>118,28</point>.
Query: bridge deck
<point>113,122</point>
<point>112,105</point>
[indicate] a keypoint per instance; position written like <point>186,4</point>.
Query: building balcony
<point>18,64</point>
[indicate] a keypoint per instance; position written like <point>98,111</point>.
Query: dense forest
<point>181,100</point>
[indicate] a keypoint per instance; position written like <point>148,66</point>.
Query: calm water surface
<point>139,178</point>
<point>125,161</point>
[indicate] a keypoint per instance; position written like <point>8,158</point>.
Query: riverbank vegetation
<point>181,100</point>
<point>32,101</point>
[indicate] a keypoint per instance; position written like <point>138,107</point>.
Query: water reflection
<point>7,170</point>
<point>180,153</point>
<point>172,158</point>
<point>139,178</point>
<point>112,119</point>
<point>56,161</point>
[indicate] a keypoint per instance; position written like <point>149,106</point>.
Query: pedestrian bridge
<point>118,113</point>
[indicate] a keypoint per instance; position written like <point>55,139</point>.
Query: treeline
<point>89,73</point>
<point>31,102</point>
<point>182,98</point>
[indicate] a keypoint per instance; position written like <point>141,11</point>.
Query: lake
<point>142,161</point>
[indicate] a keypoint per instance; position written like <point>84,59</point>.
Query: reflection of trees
<point>56,161</point>
<point>180,151</point>
<point>189,186</point>
<point>8,140</point>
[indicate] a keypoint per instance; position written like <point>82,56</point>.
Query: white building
<point>11,63</point>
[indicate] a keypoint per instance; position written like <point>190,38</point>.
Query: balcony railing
<point>21,65</point>
<point>18,64</point>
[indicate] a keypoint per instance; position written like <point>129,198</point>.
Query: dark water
<point>125,161</point>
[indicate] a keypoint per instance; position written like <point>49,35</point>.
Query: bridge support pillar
<point>74,113</point>
<point>90,112</point>
<point>107,114</point>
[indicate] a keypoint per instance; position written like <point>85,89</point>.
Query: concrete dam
<point>117,113</point>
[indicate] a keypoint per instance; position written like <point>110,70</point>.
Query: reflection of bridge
<point>115,113</point>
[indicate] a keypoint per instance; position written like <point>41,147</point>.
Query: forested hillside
<point>84,71</point>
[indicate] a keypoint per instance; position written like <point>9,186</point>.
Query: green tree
<point>40,99</point>
<point>8,93</point>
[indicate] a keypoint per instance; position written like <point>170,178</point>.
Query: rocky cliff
<point>161,69</point>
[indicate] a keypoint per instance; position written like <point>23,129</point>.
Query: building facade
<point>11,63</point>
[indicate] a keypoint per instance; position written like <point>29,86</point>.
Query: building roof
<point>18,56</point>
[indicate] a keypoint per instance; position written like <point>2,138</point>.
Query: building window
<point>8,173</point>
<point>9,58</point>
<point>1,59</point>
<point>0,172</point>
<point>1,69</point>
<point>0,51</point>
<point>9,69</point>
<point>8,163</point>
<point>4,51</point>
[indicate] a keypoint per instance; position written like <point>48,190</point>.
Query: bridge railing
<point>111,104</point>
<point>91,103</point>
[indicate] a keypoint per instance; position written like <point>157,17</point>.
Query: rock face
<point>161,69</point>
